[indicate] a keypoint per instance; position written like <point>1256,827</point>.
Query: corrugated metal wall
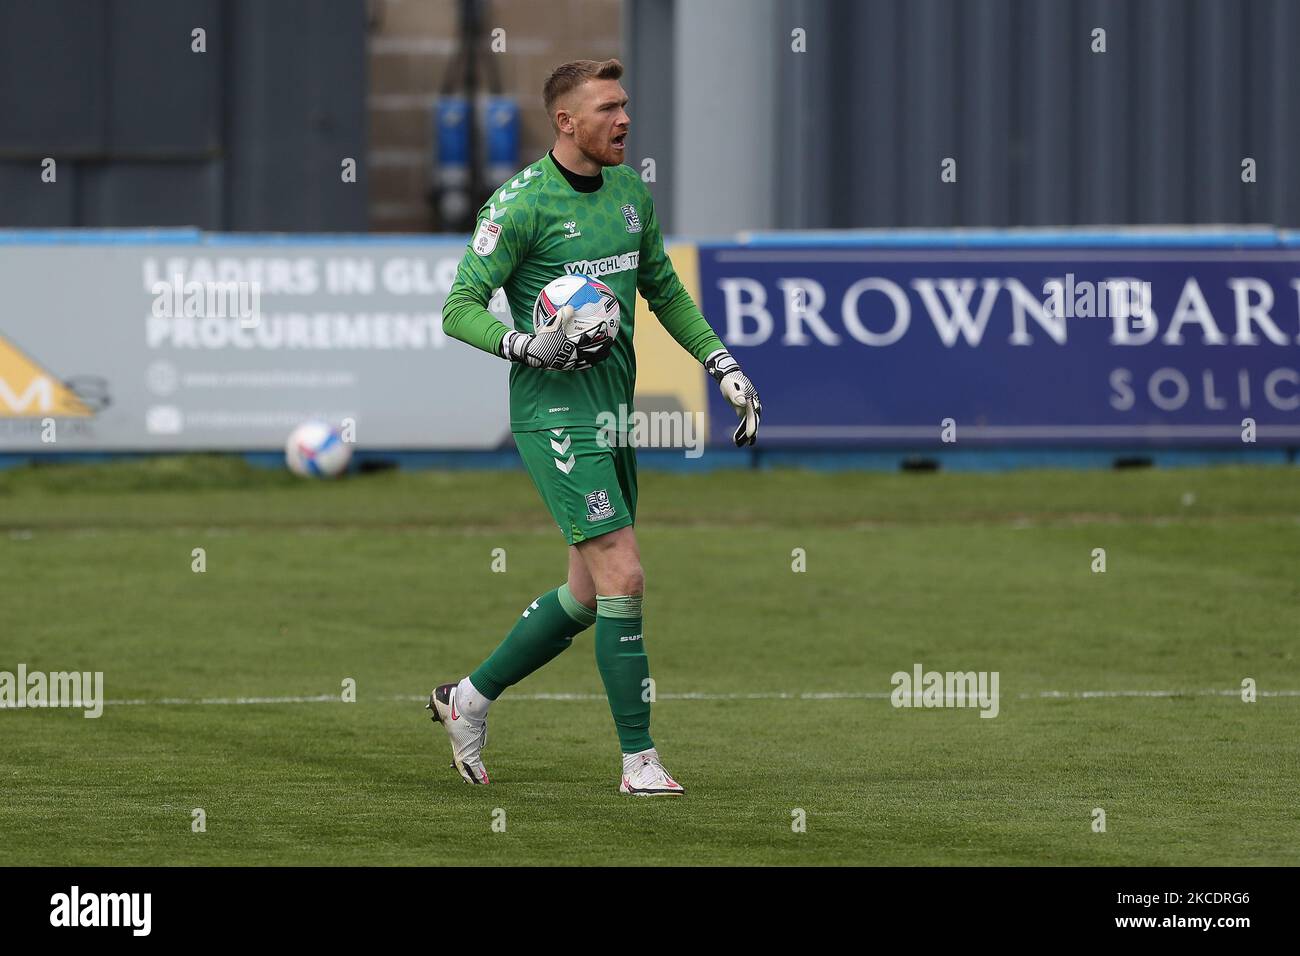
<point>1044,131</point>
<point>247,136</point>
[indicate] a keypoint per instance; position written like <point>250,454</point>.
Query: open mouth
<point>619,140</point>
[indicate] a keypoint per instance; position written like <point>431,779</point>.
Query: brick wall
<point>411,44</point>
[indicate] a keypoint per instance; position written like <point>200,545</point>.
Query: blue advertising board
<point>1023,344</point>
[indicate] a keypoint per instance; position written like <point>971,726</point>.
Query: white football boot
<point>645,776</point>
<point>468,736</point>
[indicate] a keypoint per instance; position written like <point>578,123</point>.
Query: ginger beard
<point>603,144</point>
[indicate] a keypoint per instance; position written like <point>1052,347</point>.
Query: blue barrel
<point>451,175</point>
<point>501,131</point>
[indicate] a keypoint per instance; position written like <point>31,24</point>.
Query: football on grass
<point>317,450</point>
<point>595,325</point>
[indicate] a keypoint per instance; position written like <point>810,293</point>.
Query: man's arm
<point>495,251</point>
<point>677,312</point>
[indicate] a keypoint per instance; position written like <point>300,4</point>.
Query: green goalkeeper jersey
<point>538,227</point>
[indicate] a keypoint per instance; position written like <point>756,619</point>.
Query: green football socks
<point>546,628</point>
<point>625,669</point>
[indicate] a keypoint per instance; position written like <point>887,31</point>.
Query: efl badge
<point>485,239</point>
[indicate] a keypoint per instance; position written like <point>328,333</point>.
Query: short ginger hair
<point>567,77</point>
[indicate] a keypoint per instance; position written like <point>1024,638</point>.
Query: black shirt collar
<point>580,183</point>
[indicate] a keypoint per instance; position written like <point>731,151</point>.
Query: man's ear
<point>564,121</point>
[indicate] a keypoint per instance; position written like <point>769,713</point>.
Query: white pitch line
<point>776,695</point>
<point>1088,694</point>
<point>196,701</point>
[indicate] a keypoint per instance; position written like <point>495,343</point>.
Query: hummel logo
<point>571,230</point>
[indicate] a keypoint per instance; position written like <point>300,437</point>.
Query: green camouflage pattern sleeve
<point>496,249</point>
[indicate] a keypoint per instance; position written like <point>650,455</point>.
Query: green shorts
<point>590,489</point>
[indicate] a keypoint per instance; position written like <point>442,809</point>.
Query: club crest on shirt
<point>598,506</point>
<point>633,222</point>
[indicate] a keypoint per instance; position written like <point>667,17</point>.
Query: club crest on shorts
<point>598,506</point>
<point>633,222</point>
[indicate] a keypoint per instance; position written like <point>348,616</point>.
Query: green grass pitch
<point>387,579</point>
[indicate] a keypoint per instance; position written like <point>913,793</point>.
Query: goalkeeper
<point>577,210</point>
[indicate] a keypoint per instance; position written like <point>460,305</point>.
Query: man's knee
<point>624,563</point>
<point>615,566</point>
<point>633,579</point>
<point>621,577</point>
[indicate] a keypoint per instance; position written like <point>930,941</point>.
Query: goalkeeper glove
<point>552,350</point>
<point>739,391</point>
